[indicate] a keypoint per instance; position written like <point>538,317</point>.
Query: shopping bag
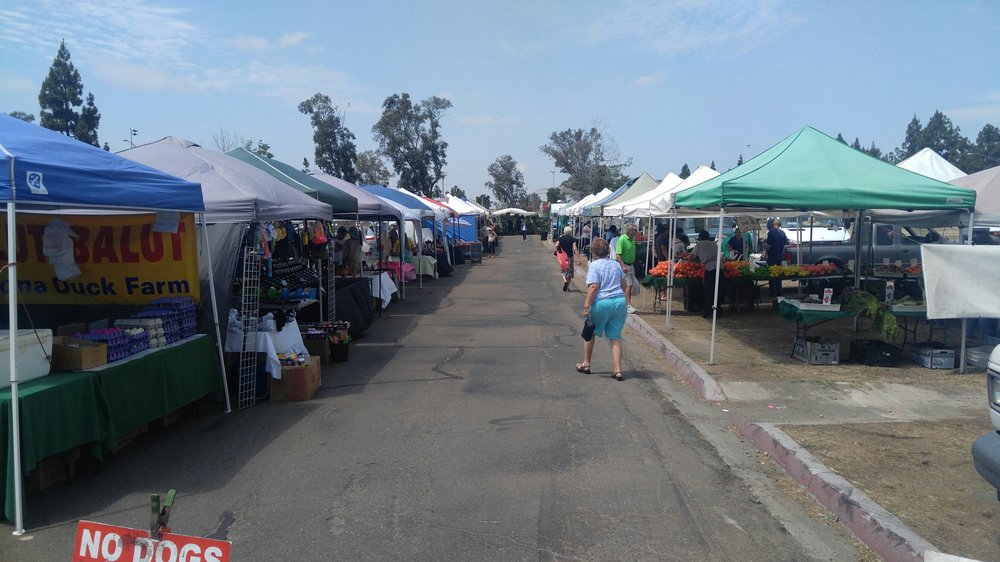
<point>563,259</point>
<point>588,329</point>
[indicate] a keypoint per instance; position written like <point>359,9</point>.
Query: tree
<point>840,137</point>
<point>911,142</point>
<point>591,162</point>
<point>507,182</point>
<point>873,151</point>
<point>939,135</point>
<point>985,153</point>
<point>371,169</point>
<point>856,145</point>
<point>22,116</point>
<point>532,203</point>
<point>685,171</point>
<point>225,141</point>
<point>409,135</point>
<point>61,95</point>
<point>484,200</point>
<point>335,151</point>
<point>553,195</point>
<point>713,165</point>
<point>305,165</point>
<point>739,162</point>
<point>262,148</point>
<point>457,191</point>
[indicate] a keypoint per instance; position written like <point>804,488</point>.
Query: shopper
<point>625,253</point>
<point>605,306</point>
<point>566,243</point>
<point>352,251</point>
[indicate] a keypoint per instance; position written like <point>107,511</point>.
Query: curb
<point>689,370</point>
<point>872,524</point>
<point>889,537</point>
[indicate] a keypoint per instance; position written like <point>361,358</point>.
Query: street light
<point>131,137</point>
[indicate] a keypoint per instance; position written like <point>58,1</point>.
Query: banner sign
<point>109,259</point>
<point>97,542</point>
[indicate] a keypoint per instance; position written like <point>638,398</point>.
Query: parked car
<point>879,242</point>
<point>986,449</point>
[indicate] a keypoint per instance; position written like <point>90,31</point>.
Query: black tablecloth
<point>444,268</point>
<point>354,304</point>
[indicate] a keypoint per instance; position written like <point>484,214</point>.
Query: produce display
<point>735,269</point>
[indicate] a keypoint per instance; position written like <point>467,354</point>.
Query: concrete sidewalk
<point>805,402</point>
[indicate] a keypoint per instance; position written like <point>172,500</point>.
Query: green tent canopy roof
<point>343,204</point>
<point>643,184</point>
<point>810,171</point>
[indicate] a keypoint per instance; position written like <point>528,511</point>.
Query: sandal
<point>619,376</point>
<point>583,368</point>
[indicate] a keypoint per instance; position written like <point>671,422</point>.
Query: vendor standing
<point>775,249</point>
<point>707,252</point>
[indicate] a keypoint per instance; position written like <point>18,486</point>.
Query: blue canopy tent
<point>44,170</point>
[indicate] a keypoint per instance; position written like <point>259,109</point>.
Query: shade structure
<point>810,170</point>
<point>407,200</point>
<point>370,207</point>
<point>987,186</point>
<point>42,169</point>
<point>513,211</point>
<point>928,163</point>
<point>341,204</point>
<point>234,191</point>
<point>464,207</point>
<point>640,205</point>
<point>640,186</point>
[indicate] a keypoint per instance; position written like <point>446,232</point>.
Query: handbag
<point>563,259</point>
<point>588,329</point>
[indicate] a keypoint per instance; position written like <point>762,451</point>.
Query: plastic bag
<point>563,259</point>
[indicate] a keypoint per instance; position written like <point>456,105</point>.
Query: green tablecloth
<point>58,412</point>
<point>659,282</point>
<point>150,387</point>
<point>95,408</point>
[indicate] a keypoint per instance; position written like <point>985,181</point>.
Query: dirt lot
<point>920,471</point>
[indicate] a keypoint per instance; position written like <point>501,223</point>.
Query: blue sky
<point>672,82</point>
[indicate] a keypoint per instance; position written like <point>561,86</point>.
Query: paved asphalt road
<point>458,430</point>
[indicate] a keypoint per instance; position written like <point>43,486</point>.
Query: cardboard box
<point>72,329</point>
<point>814,352</point>
<point>296,383</point>
<point>319,348</point>
<point>72,354</point>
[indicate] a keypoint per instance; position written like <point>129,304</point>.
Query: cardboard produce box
<point>72,354</point>
<point>319,348</point>
<point>296,383</point>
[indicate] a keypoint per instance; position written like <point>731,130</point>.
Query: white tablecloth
<point>388,288</point>
<point>425,265</point>
<point>264,343</point>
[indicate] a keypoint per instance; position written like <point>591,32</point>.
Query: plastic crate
<point>875,353</point>
<point>814,352</point>
<point>933,355</point>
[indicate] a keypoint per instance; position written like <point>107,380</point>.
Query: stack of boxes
<point>152,329</point>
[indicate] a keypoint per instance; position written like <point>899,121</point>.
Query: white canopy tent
<point>987,186</point>
<point>513,211</point>
<point>928,163</point>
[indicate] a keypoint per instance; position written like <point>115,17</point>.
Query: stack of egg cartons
<point>185,309</point>
<point>169,321</point>
<point>152,330</point>
<point>115,338</point>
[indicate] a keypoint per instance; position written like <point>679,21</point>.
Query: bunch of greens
<point>865,304</point>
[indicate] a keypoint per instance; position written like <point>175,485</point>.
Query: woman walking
<point>566,243</point>
<point>605,305</point>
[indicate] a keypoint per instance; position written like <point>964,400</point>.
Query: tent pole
<point>649,255</point>
<point>215,310</point>
<point>965,321</point>
<point>15,414</point>
<point>670,273</point>
<point>718,271</point>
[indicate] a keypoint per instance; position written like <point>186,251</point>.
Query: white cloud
<point>977,115</point>
<point>293,39</point>
<point>676,26</point>
<point>647,80</point>
<point>488,121</point>
<point>249,43</point>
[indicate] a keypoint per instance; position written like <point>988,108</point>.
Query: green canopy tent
<point>811,171</point>
<point>344,205</point>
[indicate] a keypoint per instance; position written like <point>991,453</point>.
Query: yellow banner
<point>121,259</point>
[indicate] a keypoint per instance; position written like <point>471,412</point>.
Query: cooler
<point>32,355</point>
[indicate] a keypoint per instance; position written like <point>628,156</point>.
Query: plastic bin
<point>812,351</point>
<point>875,353</point>
<point>933,355</point>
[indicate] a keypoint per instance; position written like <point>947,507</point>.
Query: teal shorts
<point>608,316</point>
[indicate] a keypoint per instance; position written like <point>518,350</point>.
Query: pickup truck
<point>986,449</point>
<point>891,242</point>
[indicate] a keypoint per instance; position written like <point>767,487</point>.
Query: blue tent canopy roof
<point>44,169</point>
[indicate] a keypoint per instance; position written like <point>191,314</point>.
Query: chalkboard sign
<point>476,252</point>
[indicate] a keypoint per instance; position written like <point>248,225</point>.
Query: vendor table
<point>424,265</point>
<point>401,273</point>
<point>58,412</point>
<point>805,319</point>
<point>263,343</point>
